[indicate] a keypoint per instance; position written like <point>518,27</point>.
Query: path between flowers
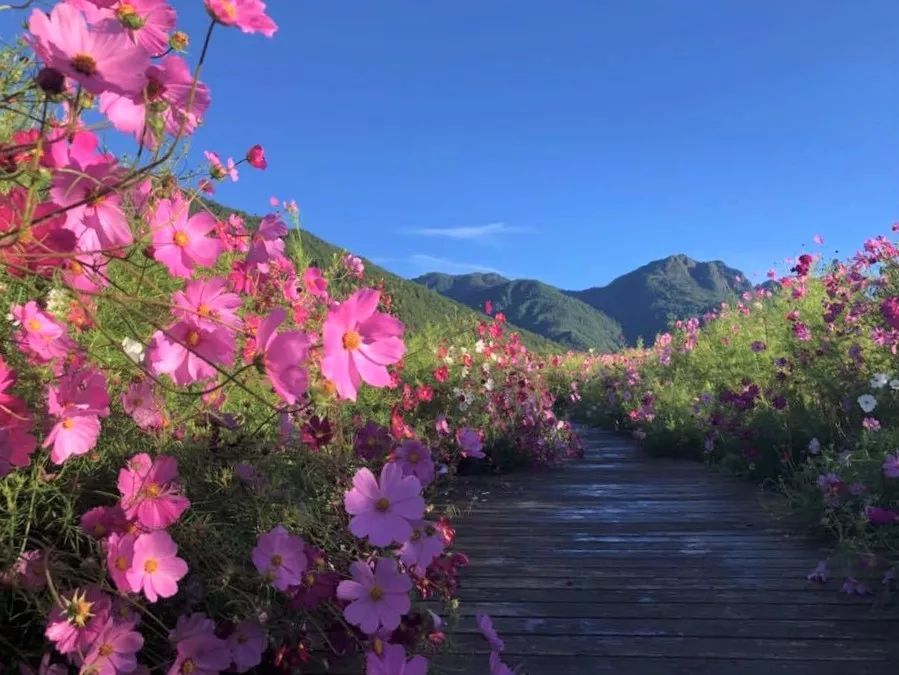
<point>634,565</point>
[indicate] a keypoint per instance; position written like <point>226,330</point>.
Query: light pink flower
<point>142,403</point>
<point>267,243</point>
<point>384,512</point>
<point>392,661</point>
<point>247,642</point>
<point>280,557</point>
<point>98,60</point>
<point>360,343</point>
<point>40,334</point>
<point>315,283</point>
<point>151,492</point>
<point>114,651</point>
<point>83,616</point>
<point>147,22</point>
<point>181,242</point>
<point>218,170</point>
<point>283,355</point>
<point>119,558</point>
<point>208,303</point>
<point>248,15</point>
<point>74,434</point>
<point>188,353</point>
<point>378,599</point>
<point>155,567</point>
<point>423,546</point>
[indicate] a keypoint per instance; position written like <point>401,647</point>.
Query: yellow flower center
<point>230,9</point>
<point>382,504</point>
<point>151,565</point>
<point>153,490</point>
<point>203,310</point>
<point>188,666</point>
<point>351,340</point>
<point>26,236</point>
<point>309,579</point>
<point>121,563</point>
<point>76,267</point>
<point>416,535</point>
<point>106,649</point>
<point>34,325</point>
<point>277,560</point>
<point>180,239</point>
<point>68,423</point>
<point>377,646</point>
<point>193,338</point>
<point>376,593</point>
<point>84,64</point>
<point>128,16</point>
<point>413,457</point>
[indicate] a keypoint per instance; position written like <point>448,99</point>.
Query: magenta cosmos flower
<point>114,651</point>
<point>282,356</point>
<point>146,22</point>
<point>16,442</point>
<point>40,334</point>
<point>119,557</point>
<point>392,661</point>
<point>384,512</point>
<point>208,303</point>
<point>470,442</point>
<point>267,243</point>
<point>189,353</point>
<point>98,60</point>
<point>280,557</point>
<point>360,343</point>
<point>181,242</point>
<point>150,491</point>
<point>378,599</point>
<point>248,15</point>
<point>423,546</point>
<point>155,566</point>
<point>415,459</point>
<point>170,87</point>
<point>77,400</point>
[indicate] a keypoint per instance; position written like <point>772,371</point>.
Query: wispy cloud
<point>429,263</point>
<point>467,233</point>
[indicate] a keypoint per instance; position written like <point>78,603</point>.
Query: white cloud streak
<point>467,233</point>
<point>429,263</point>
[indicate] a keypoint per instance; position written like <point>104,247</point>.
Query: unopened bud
<point>51,81</point>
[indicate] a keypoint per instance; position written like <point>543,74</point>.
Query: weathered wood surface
<point>633,565</point>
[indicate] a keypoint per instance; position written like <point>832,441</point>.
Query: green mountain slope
<point>676,287</point>
<point>533,305</point>
<point>417,306</point>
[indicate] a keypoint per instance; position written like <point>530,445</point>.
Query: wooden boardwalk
<point>633,565</point>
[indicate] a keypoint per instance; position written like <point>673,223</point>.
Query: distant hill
<point>416,305</point>
<point>676,287</point>
<point>532,305</point>
<point>639,304</point>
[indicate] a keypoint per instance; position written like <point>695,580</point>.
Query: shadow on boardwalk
<point>632,565</point>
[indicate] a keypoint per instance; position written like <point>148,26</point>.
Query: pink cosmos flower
<point>119,559</point>
<point>40,334</point>
<point>94,208</point>
<point>98,60</point>
<point>256,157</point>
<point>282,355</point>
<point>170,86</point>
<point>75,626</point>
<point>75,434</point>
<point>470,442</point>
<point>485,625</point>
<point>247,642</point>
<point>199,651</point>
<point>354,266</point>
<point>415,459</point>
<point>218,170</point>
<point>378,599</point>
<point>30,570</point>
<point>315,283</point>
<point>267,243</point>
<point>384,512</point>
<point>16,442</point>
<point>155,567</point>
<point>248,15</point>
<point>142,403</point>
<point>392,661</point>
<point>821,573</point>
<point>497,667</point>
<point>101,521</point>
<point>147,22</point>
<point>151,492</point>
<point>891,466</point>
<point>181,243</point>
<point>280,557</point>
<point>187,353</point>
<point>114,651</point>
<point>360,343</point>
<point>423,546</point>
<point>77,400</point>
<point>208,303</point>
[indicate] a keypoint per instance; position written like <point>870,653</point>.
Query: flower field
<point>214,457</point>
<point>794,385</point>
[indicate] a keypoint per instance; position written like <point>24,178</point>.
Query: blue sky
<point>567,140</point>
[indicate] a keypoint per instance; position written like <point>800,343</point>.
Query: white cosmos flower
<point>879,380</point>
<point>134,349</point>
<point>894,384</point>
<point>479,346</point>
<point>867,402</point>
<point>488,385</point>
<point>814,446</point>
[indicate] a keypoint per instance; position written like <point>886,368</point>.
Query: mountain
<point>676,287</point>
<point>534,306</point>
<point>417,306</point>
<point>639,304</point>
